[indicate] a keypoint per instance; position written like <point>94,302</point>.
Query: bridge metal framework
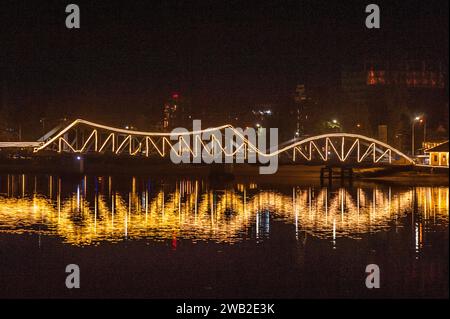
<point>83,137</point>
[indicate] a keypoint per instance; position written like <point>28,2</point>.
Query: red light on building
<point>175,96</point>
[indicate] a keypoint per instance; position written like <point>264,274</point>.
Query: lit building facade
<point>438,155</point>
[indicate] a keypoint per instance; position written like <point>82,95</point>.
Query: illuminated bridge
<point>84,137</point>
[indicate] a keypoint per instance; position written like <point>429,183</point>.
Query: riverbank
<point>304,173</point>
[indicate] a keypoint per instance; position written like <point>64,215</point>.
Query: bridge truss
<point>87,137</point>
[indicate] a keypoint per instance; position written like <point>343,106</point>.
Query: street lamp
<point>416,119</point>
<point>422,120</point>
<point>334,124</point>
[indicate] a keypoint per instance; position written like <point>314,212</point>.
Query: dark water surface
<point>189,238</point>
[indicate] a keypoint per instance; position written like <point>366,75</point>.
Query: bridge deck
<point>20,144</point>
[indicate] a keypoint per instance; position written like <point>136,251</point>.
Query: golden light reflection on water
<point>191,210</point>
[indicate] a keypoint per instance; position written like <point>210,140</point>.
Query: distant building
<point>438,155</point>
<point>302,105</point>
<point>169,111</point>
<point>407,73</point>
<point>174,112</point>
<point>403,73</point>
<point>431,143</point>
<point>391,91</point>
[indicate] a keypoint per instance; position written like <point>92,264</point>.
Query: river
<point>144,237</point>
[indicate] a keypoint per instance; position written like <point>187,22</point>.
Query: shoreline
<point>286,174</point>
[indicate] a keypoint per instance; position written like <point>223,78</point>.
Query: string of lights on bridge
<point>325,146</point>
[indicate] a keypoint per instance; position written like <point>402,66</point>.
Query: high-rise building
<point>174,112</point>
<point>302,109</point>
<point>393,92</point>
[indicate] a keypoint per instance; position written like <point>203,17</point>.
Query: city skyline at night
<point>221,61</point>
<point>214,158</point>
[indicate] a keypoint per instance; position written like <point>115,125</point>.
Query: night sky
<point>129,56</point>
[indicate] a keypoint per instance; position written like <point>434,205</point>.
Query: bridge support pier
<point>346,172</point>
<point>327,172</point>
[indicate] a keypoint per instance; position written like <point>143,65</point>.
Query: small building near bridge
<point>438,155</point>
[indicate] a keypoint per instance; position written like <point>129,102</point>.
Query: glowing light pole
<point>416,119</point>
<point>424,129</point>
